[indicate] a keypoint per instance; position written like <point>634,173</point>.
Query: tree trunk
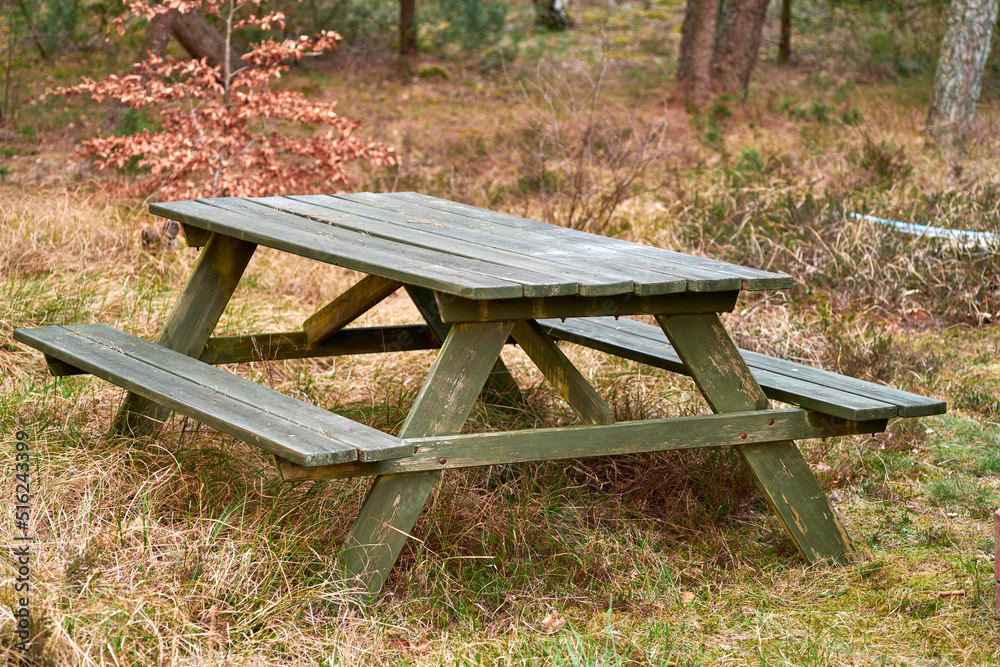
<point>738,45</point>
<point>694,65</point>
<point>785,42</point>
<point>159,33</point>
<point>407,28</point>
<point>959,75</point>
<point>160,29</point>
<point>552,14</point>
<point>203,41</point>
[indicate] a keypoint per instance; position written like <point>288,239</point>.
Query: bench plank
<point>271,420</point>
<point>752,279</point>
<point>191,321</point>
<point>781,380</point>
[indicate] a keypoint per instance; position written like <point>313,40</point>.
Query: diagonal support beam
<point>394,502</point>
<point>349,306</point>
<point>560,371</point>
<point>191,322</point>
<point>501,387</point>
<point>723,377</point>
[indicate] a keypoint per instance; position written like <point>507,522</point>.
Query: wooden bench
<point>277,423</point>
<point>781,380</point>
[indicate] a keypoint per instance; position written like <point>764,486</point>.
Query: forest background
<point>191,552</point>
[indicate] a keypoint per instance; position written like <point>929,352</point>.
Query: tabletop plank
<point>537,250</point>
<point>553,283</point>
<point>465,277</point>
<point>586,248</point>
<point>752,279</point>
<point>530,281</point>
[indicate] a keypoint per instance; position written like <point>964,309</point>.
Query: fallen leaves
<point>552,622</point>
<point>411,646</point>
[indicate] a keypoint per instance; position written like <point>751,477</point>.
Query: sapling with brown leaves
<point>221,127</point>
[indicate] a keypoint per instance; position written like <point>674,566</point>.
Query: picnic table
<point>481,280</point>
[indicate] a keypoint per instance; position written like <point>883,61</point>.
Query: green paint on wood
<point>561,372</point>
<point>277,423</point>
<point>501,387</point>
<point>394,502</point>
<point>293,345</point>
<point>191,322</point>
<point>572,442</point>
<point>785,478</point>
<point>349,306</point>
<point>458,309</point>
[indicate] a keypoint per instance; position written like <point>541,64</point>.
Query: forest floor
<point>189,551</point>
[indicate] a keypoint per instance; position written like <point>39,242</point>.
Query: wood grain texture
<point>783,475</point>
<point>293,345</point>
<point>501,387</point>
<point>349,306</point>
<point>561,373</point>
<point>394,502</point>
<point>572,442</point>
<point>663,275</point>
<point>781,380</point>
<point>315,240</point>
<point>458,309</point>
<point>260,416</point>
<point>191,322</point>
<point>589,265</point>
<point>513,258</point>
<point>751,278</point>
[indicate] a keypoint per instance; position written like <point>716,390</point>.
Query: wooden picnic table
<point>481,280</point>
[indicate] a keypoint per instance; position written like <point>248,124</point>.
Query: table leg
<point>191,322</point>
<point>782,473</point>
<point>501,387</point>
<point>394,502</point>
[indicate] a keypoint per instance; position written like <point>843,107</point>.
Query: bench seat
<point>781,380</point>
<point>277,423</point>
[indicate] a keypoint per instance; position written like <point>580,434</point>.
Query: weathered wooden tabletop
<point>461,250</point>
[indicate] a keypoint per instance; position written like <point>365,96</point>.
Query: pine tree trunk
<point>785,42</point>
<point>738,45</point>
<point>694,64</point>
<point>959,75</point>
<point>552,14</point>
<point>407,28</point>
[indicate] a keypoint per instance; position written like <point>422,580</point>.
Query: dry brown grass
<point>185,551</point>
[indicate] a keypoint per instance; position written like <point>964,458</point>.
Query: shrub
<point>219,131</point>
